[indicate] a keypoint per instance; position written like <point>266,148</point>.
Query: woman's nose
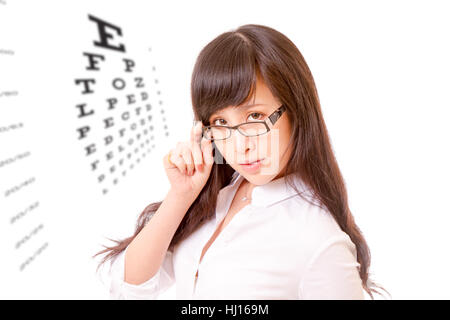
<point>241,142</point>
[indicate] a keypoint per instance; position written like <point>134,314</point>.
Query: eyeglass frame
<point>273,117</point>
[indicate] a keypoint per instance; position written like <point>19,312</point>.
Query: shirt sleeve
<point>150,289</point>
<point>332,272</point>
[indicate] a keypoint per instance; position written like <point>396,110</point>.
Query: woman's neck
<point>246,188</point>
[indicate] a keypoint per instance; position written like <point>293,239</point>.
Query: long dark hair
<point>225,74</point>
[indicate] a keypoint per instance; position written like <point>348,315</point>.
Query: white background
<point>382,72</point>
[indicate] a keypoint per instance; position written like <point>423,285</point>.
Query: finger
<point>192,133</point>
<point>206,146</point>
<point>167,161</point>
<point>194,130</point>
<point>197,132</point>
<point>197,156</point>
<point>186,154</point>
<point>177,159</point>
<point>196,147</point>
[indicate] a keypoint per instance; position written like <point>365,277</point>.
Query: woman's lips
<point>250,162</point>
<point>252,166</point>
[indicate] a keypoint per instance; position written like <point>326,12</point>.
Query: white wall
<point>381,70</point>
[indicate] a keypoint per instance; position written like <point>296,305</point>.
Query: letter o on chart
<point>118,83</point>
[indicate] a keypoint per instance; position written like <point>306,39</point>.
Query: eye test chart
<point>94,93</point>
<point>83,121</point>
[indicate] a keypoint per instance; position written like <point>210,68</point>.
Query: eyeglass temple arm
<point>275,116</point>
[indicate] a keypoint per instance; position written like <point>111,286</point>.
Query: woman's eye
<point>256,113</point>
<point>222,122</point>
<point>218,124</point>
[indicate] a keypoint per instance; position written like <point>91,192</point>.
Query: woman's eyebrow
<point>219,113</point>
<point>252,105</point>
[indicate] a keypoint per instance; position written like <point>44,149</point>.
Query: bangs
<point>225,75</point>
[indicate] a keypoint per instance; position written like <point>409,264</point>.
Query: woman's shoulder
<point>311,229</point>
<point>313,222</point>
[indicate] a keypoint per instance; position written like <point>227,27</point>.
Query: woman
<point>278,228</point>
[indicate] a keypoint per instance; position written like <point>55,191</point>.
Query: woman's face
<point>271,148</point>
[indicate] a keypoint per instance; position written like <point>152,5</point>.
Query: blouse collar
<point>272,192</point>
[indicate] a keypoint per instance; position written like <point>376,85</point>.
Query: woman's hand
<point>189,164</point>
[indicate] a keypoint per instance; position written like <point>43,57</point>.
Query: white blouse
<point>278,247</point>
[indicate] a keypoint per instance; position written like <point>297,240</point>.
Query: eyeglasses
<point>248,129</point>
